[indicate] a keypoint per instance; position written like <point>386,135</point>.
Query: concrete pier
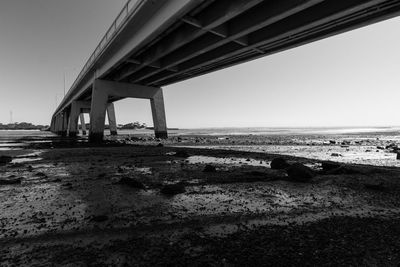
<point>83,124</point>
<point>103,90</point>
<point>112,121</point>
<point>76,111</point>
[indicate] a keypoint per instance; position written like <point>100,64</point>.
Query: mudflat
<point>202,201</point>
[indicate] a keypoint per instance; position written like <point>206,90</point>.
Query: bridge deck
<point>161,42</point>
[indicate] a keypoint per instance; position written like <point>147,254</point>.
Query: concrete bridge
<point>154,43</point>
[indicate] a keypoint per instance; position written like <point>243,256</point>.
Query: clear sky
<point>352,79</point>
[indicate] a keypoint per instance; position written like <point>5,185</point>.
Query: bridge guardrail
<point>130,7</point>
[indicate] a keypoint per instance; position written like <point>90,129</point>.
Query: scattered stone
<point>5,160</point>
<point>209,168</point>
<point>131,183</point>
<point>300,173</point>
<point>279,164</point>
<point>10,181</point>
<point>181,154</point>
<point>173,189</point>
<point>336,155</point>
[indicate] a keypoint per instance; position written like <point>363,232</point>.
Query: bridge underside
<point>216,34</point>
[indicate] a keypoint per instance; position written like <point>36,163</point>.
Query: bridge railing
<point>130,7</point>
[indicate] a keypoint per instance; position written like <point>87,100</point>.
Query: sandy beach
<point>200,200</point>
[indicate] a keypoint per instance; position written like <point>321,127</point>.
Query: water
<point>273,131</point>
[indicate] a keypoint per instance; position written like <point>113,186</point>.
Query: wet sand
<point>72,206</point>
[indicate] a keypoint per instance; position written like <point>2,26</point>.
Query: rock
<point>380,147</point>
<point>209,168</point>
<point>279,164</point>
<point>10,181</point>
<point>328,166</point>
<point>5,159</point>
<point>173,189</point>
<point>131,183</point>
<point>181,154</point>
<point>398,156</point>
<point>332,142</point>
<point>336,155</point>
<point>392,146</point>
<point>300,173</point>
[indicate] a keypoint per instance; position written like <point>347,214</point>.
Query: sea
<point>387,130</point>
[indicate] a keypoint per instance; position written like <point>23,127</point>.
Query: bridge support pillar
<point>64,124</point>
<point>103,90</point>
<point>158,112</point>
<point>83,124</point>
<point>57,124</point>
<point>76,111</point>
<point>112,121</point>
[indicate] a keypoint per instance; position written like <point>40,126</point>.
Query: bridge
<point>154,43</point>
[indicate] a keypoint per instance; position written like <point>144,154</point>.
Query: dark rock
<point>173,189</point>
<point>5,159</point>
<point>398,156</point>
<point>209,168</point>
<point>300,173</point>
<point>279,164</point>
<point>333,142</point>
<point>10,181</point>
<point>336,155</point>
<point>99,218</point>
<point>380,147</point>
<point>392,146</point>
<point>181,154</point>
<point>328,166</point>
<point>131,183</point>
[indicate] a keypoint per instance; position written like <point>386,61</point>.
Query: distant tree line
<point>22,126</point>
<point>129,126</point>
<point>133,125</point>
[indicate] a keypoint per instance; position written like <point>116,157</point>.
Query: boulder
<point>173,189</point>
<point>131,183</point>
<point>279,164</point>
<point>300,173</point>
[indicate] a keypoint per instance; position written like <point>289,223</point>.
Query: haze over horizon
<point>347,80</point>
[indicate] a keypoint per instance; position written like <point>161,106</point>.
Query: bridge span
<point>154,43</point>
